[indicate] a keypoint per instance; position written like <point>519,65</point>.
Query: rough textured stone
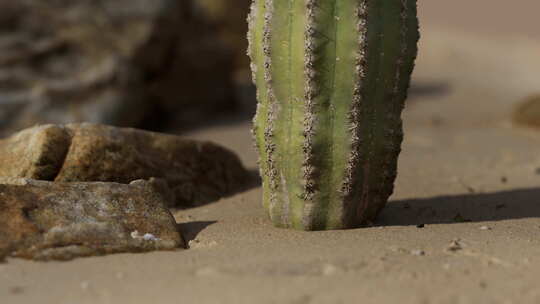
<point>36,153</point>
<point>117,61</point>
<point>196,172</point>
<point>44,220</point>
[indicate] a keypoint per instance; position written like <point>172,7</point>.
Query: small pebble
<point>150,237</point>
<point>147,236</point>
<point>16,290</point>
<point>194,243</point>
<point>504,179</point>
<point>329,269</point>
<point>398,249</point>
<point>454,246</point>
<point>418,252</point>
<point>485,228</point>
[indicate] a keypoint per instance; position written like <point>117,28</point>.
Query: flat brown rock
<point>44,220</point>
<point>196,172</point>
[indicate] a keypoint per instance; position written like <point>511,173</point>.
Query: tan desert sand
<point>491,17</point>
<point>462,227</point>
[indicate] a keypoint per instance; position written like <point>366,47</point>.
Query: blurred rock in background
<point>123,62</point>
<point>227,19</point>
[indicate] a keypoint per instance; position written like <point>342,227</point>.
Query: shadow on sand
<point>515,204</point>
<point>429,89</point>
<point>192,229</point>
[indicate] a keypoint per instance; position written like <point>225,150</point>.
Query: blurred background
<point>169,65</point>
<point>157,64</point>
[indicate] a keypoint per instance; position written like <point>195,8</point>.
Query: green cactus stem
<point>332,77</point>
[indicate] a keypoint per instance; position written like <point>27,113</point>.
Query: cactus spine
<point>332,77</point>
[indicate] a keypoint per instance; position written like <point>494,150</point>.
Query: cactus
<point>332,77</point>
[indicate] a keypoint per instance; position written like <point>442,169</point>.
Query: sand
<point>492,17</point>
<point>466,173</point>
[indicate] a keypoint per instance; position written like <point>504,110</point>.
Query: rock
<point>197,80</point>
<point>418,252</point>
<point>189,172</point>
<point>119,62</point>
<point>60,221</point>
<point>230,25</point>
<point>527,113</point>
<point>454,246</point>
<point>36,153</point>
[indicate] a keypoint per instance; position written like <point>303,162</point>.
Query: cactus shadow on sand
<point>190,230</point>
<point>429,89</point>
<point>252,181</point>
<point>479,207</point>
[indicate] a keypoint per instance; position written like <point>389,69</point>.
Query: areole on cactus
<point>332,77</point>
